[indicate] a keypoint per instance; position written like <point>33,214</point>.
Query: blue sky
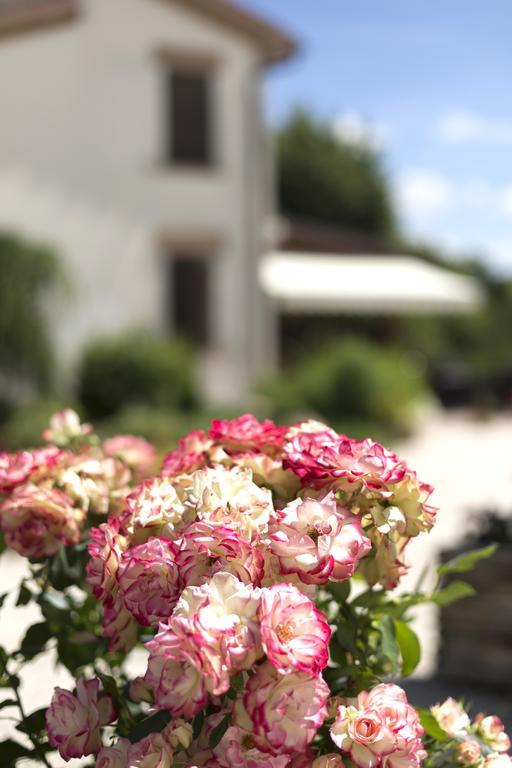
<point>430,83</point>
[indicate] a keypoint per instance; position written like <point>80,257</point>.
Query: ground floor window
<point>189,289</point>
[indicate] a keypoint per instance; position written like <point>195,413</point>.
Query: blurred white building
<point>131,138</point>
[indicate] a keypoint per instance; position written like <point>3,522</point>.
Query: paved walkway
<point>469,462</point>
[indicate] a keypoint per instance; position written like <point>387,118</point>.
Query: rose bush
<point>233,569</point>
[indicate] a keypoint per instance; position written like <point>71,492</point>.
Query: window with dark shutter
<point>190,289</point>
<point>188,134</point>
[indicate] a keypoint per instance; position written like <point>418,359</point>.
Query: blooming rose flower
<point>95,485</point>
<point>410,497</point>
<point>115,756</point>
<point>105,548</point>
<point>283,712</point>
<point>320,459</point>
<point>212,634</point>
<point>177,675</point>
<point>119,626</point>
<point>191,454</point>
<point>363,735</point>
<point>73,722</point>
<point>314,540</point>
<point>246,433</point>
<point>134,451</point>
<point>64,427</point>
<point>294,633</point>
<point>236,749</point>
<point>379,728</point>
<point>468,752</point>
<point>452,717</point>
<point>36,521</point>
<point>492,731</point>
<point>386,563</point>
<point>269,473</point>
<point>272,573</point>
<point>179,734</point>
<point>149,580</point>
<point>153,751</point>
<point>206,548</point>
<point>14,469</point>
<point>229,497</point>
<point>156,509</point>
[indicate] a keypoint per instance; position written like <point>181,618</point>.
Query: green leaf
<point>153,724</point>
<point>346,639</point>
<point>24,595</point>
<point>55,607</point>
<point>3,598</point>
<point>33,723</point>
<point>197,724</point>
<point>431,726</point>
<point>467,561</point>
<point>11,751</point>
<point>456,590</point>
<point>388,644</point>
<point>410,648</point>
<point>371,598</point>
<point>340,590</point>
<point>35,640</point>
<point>219,731</point>
<point>8,703</point>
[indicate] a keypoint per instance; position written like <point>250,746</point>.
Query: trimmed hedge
<point>135,369</point>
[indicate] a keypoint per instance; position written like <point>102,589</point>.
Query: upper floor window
<point>188,133</point>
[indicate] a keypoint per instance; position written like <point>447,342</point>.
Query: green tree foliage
<point>322,178</point>
<point>351,380</point>
<point>29,273</point>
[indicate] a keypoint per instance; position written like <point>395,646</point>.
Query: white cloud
<point>422,192</point>
<point>463,127</point>
<point>352,127</point>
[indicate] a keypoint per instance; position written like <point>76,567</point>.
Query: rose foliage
<point>256,572</point>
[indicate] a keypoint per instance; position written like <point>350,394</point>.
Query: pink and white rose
<point>452,717</point>
<point>317,541</point>
<point>154,751</point>
<point>64,427</point>
<point>491,729</point>
<point>149,580</point>
<point>282,712</point>
<point>379,728</point>
<point>134,451</point>
<point>115,756</point>
<point>237,749</point>
<point>246,433</point>
<point>37,521</point>
<point>294,633</point>
<point>73,722</point>
<point>206,548</point>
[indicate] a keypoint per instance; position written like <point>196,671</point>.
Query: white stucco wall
<point>80,137</point>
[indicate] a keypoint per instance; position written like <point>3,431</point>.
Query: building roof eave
<point>275,43</point>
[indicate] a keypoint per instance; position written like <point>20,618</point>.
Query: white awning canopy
<point>310,283</point>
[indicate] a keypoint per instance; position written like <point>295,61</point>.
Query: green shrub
<point>351,381</point>
<point>31,276</point>
<point>135,369</point>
